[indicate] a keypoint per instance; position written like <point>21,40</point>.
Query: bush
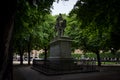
<point>76,56</point>
<point>93,55</point>
<point>41,55</point>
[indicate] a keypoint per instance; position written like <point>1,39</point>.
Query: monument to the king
<point>60,60</point>
<point>60,47</point>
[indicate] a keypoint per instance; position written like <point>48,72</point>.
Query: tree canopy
<point>102,14</point>
<point>33,27</point>
<point>97,25</point>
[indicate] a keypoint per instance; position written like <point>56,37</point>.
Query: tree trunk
<point>98,58</point>
<point>6,22</point>
<point>29,58</point>
<point>21,54</point>
<point>29,49</point>
<point>10,64</point>
<point>29,54</point>
<point>113,51</point>
<point>21,58</point>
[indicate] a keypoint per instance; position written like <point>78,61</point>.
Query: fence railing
<point>81,65</point>
<point>104,60</point>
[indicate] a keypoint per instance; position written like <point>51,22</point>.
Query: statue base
<point>60,60</point>
<point>60,54</point>
<point>60,47</point>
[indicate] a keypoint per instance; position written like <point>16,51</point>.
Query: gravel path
<point>26,73</point>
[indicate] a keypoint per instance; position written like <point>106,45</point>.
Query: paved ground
<point>26,73</point>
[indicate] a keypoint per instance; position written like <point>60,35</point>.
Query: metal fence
<point>77,66</point>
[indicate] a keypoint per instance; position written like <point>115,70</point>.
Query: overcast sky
<point>63,7</point>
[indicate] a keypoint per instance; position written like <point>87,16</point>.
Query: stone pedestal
<point>60,48</point>
<point>60,54</point>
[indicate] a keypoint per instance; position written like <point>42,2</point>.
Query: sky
<point>63,7</point>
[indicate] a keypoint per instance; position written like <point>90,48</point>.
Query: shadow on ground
<point>25,72</point>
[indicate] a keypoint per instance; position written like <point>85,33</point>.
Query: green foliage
<point>87,55</point>
<point>109,55</point>
<point>100,11</point>
<point>42,55</point>
<point>90,38</point>
<point>47,31</point>
<point>72,30</point>
<point>76,56</point>
<point>100,20</point>
<point>92,55</point>
<point>33,25</point>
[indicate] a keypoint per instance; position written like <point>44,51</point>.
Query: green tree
<point>72,30</point>
<point>97,24</point>
<point>7,24</point>
<point>101,13</point>
<point>89,38</point>
<point>47,33</point>
<point>27,24</point>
